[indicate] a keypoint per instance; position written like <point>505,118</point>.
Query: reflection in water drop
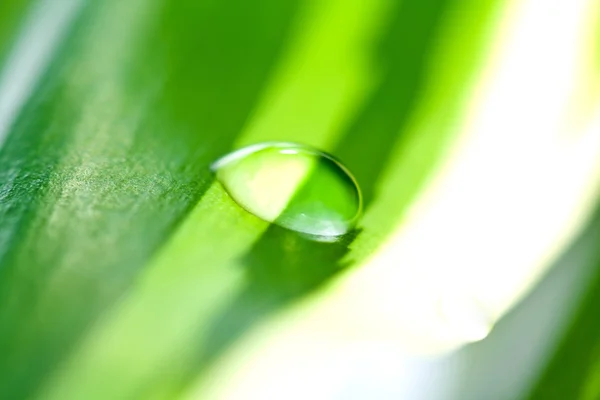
<point>294,186</point>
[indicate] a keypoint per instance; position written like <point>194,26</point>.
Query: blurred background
<point>472,128</point>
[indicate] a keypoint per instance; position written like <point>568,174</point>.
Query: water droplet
<point>294,186</point>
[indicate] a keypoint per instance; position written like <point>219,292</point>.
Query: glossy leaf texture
<point>126,271</point>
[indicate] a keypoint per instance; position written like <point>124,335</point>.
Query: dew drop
<point>294,186</point>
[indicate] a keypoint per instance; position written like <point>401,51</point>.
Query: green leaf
<point>126,271</point>
<point>110,154</point>
<point>573,370</point>
<point>10,14</point>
